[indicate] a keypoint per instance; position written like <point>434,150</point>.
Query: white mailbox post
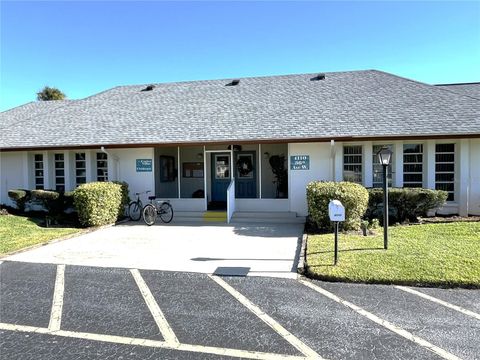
<point>336,212</point>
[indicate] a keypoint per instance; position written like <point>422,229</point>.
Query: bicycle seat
<point>152,197</point>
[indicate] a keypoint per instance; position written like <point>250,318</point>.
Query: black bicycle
<point>135,207</point>
<point>157,208</point>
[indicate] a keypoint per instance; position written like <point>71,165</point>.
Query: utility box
<point>336,211</point>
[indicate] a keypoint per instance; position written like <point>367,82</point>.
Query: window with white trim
<point>80,168</point>
<point>378,168</point>
<point>39,172</point>
<point>445,169</point>
<point>59,172</point>
<point>413,165</point>
<point>352,163</point>
<point>102,167</point>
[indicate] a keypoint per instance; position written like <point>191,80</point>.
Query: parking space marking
<point>441,302</point>
<point>57,305</point>
<point>157,314</point>
<point>288,336</point>
<point>390,326</point>
<point>244,354</point>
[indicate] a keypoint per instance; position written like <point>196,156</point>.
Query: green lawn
<point>430,254</point>
<point>17,232</point>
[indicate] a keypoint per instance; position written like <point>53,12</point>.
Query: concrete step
<point>296,220</point>
<point>265,214</point>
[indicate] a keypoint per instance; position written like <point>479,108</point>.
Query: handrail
<point>230,200</point>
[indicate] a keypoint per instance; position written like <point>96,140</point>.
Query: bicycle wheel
<point>149,214</point>
<point>166,212</point>
<point>135,210</point>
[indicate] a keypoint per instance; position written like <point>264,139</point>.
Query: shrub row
<point>96,203</point>
<point>404,204</point>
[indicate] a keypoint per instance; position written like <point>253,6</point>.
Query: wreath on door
<point>244,166</point>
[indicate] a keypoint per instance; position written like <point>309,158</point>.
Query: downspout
<point>117,162</point>
<point>332,158</point>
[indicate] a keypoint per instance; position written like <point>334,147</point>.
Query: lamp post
<point>384,156</point>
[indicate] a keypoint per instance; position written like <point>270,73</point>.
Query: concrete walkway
<point>259,250</point>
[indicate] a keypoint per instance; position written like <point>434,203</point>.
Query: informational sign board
<point>144,165</point>
<point>300,162</point>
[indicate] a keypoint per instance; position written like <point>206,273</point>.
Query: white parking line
<point>57,304</point>
<point>157,314</point>
<point>244,354</point>
<point>288,336</point>
<point>441,302</point>
<point>390,326</point>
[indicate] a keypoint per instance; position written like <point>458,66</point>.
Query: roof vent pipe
<point>149,88</point>
<point>233,83</point>
<point>320,76</point>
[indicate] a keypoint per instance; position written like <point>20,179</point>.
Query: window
<point>412,165</point>
<point>80,168</point>
<point>38,160</point>
<point>59,172</point>
<point>378,168</point>
<point>445,169</point>
<point>352,163</point>
<point>102,167</point>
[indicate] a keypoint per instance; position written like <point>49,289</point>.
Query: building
<point>253,144</point>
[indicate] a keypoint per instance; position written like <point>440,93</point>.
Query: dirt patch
<point>448,219</point>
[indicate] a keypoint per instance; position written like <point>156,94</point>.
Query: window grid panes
<point>378,168</point>
<point>59,172</point>
<point>352,163</point>
<point>80,168</point>
<point>39,174</point>
<point>413,165</point>
<point>102,167</point>
<point>445,169</point>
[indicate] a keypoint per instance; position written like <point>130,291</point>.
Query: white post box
<point>336,211</point>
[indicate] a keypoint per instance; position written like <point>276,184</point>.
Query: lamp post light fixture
<point>384,157</point>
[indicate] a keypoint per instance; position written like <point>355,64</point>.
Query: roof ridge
<point>464,83</point>
<point>237,77</point>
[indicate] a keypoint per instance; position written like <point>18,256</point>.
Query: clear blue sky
<point>88,46</point>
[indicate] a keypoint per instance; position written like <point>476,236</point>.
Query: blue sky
<point>89,46</point>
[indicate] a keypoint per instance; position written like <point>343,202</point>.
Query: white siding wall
<point>13,174</point>
<point>474,186</point>
<point>320,169</point>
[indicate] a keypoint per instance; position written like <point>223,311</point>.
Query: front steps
<point>244,217</point>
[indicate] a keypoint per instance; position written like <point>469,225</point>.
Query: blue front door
<point>220,176</point>
<point>245,175</point>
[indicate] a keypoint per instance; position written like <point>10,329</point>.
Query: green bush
<point>98,203</point>
<point>354,198</point>
<point>125,197</point>
<point>19,197</point>
<point>404,203</point>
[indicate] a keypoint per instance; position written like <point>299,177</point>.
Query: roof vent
<point>233,83</point>
<point>149,88</point>
<point>320,76</point>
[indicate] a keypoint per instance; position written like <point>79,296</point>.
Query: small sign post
<point>336,212</point>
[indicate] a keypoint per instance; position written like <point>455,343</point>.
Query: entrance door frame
<point>208,153</point>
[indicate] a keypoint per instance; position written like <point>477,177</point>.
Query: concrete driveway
<point>262,250</point>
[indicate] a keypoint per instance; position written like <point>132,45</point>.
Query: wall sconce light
<point>266,155</point>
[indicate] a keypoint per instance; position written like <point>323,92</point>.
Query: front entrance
<point>221,176</point>
<point>245,175</point>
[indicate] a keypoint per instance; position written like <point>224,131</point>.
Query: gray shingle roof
<point>346,104</point>
<point>468,89</point>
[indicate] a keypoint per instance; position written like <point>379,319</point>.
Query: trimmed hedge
<point>125,197</point>
<point>354,198</point>
<point>404,203</point>
<point>98,203</point>
<point>19,197</point>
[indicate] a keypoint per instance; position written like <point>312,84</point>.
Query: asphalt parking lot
<point>52,311</point>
